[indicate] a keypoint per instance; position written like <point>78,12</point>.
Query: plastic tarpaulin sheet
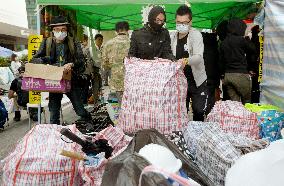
<point>103,14</point>
<point>6,76</point>
<point>273,66</point>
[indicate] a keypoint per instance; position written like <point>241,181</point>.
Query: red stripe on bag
<point>178,92</point>
<point>72,172</point>
<point>43,173</point>
<point>19,162</point>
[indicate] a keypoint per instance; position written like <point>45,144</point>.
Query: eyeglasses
<point>60,29</point>
<point>159,21</point>
<point>184,23</point>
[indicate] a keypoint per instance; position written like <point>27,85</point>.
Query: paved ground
<point>16,130</point>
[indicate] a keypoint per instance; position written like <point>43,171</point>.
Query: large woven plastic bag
<point>233,117</point>
<point>36,159</point>
<point>154,96</point>
<point>216,151</point>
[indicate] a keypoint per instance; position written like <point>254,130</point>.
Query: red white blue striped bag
<point>154,96</point>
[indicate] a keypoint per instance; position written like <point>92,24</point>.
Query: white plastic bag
<point>260,168</point>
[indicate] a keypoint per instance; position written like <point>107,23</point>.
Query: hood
<point>222,30</point>
<point>237,27</point>
<point>155,11</point>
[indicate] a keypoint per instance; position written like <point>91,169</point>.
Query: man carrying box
<point>61,50</point>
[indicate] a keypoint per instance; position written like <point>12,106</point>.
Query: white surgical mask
<point>182,28</point>
<point>60,35</point>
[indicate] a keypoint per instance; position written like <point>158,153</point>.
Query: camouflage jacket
<point>89,61</point>
<point>113,56</point>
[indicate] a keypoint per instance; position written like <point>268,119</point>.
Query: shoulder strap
<point>71,45</point>
<point>48,46</point>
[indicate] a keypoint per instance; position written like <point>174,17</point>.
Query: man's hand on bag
<point>252,73</point>
<point>68,67</point>
<point>184,62</point>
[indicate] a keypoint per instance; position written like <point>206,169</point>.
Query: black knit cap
<point>59,21</point>
<point>154,12</point>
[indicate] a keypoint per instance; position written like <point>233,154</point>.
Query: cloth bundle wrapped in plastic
<point>154,96</point>
<point>271,123</point>
<point>270,118</point>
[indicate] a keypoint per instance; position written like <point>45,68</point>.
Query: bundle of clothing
<point>100,121</point>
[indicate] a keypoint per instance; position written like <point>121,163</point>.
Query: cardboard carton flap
<point>46,72</point>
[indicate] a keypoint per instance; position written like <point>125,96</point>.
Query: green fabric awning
<point>103,14</point>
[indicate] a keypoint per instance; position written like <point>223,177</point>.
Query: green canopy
<point>103,14</point>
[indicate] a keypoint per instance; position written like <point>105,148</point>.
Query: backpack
<point>3,114</point>
<point>23,96</point>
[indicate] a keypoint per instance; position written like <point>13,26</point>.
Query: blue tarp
<point>4,52</point>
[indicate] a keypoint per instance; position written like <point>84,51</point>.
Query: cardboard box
<point>47,78</point>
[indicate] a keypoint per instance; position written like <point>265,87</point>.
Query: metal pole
<point>38,32</point>
<point>38,19</point>
<point>39,113</point>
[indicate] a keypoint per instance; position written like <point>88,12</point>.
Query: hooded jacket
<point>235,49</point>
<point>148,43</point>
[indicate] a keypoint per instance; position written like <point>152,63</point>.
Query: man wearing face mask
<point>187,43</point>
<point>114,52</point>
<point>61,50</point>
<point>152,40</point>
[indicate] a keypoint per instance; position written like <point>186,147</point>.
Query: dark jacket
<point>234,49</point>
<point>211,59</point>
<point>148,44</point>
<point>72,54</point>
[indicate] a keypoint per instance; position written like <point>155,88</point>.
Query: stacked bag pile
<point>231,130</point>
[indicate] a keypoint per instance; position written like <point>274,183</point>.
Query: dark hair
<point>99,35</point>
<point>184,10</point>
<point>85,37</point>
<point>154,12</point>
<point>122,26</point>
<point>13,55</point>
<point>21,69</point>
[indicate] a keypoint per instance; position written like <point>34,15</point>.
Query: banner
<point>33,46</point>
<point>272,85</point>
<point>260,58</point>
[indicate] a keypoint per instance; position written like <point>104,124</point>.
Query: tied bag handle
<point>175,177</point>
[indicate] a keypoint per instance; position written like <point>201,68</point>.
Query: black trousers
<point>85,89</point>
<point>211,98</point>
<point>199,97</point>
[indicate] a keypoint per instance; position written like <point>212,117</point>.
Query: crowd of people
<point>225,56</point>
